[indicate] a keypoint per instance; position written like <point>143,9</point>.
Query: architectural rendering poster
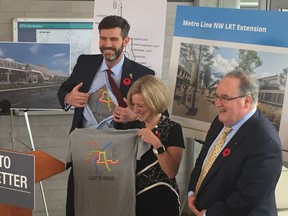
<point>147,32</point>
<point>76,32</point>
<point>31,73</point>
<point>209,42</point>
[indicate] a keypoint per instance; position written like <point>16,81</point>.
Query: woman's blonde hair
<point>154,91</point>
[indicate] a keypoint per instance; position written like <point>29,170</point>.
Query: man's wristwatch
<point>159,150</point>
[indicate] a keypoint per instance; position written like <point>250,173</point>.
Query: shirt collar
<point>117,69</point>
<point>237,125</point>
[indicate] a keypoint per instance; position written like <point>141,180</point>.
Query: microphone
<point>5,106</point>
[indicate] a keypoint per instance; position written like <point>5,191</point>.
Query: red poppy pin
<point>226,152</point>
<point>158,134</point>
<point>126,81</point>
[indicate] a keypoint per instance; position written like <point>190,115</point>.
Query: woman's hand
<point>124,114</point>
<point>149,137</point>
<point>170,159</point>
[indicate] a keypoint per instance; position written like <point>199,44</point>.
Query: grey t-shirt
<point>104,163</point>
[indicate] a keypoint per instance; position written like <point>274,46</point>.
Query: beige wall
<point>10,9</point>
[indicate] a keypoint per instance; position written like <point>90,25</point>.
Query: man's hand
<point>192,206</point>
<point>124,115</point>
<point>76,98</point>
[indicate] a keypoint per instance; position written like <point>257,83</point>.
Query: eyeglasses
<point>225,99</point>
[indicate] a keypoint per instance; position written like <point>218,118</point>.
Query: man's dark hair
<point>113,21</point>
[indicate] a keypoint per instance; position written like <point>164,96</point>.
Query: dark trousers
<point>70,195</point>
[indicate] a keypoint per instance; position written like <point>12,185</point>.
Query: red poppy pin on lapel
<point>226,152</point>
<point>126,81</point>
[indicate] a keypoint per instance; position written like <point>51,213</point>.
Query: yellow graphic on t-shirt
<point>99,156</point>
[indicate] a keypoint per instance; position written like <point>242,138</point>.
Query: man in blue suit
<point>243,177</point>
<point>89,80</point>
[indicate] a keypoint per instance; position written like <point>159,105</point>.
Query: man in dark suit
<point>243,177</point>
<point>113,33</point>
<point>90,76</point>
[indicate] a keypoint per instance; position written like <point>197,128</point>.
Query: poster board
<point>77,32</point>
<point>31,73</point>
<point>208,43</point>
<point>147,21</point>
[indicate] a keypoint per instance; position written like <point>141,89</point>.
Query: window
<point>249,4</point>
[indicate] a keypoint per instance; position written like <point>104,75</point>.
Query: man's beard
<point>117,53</point>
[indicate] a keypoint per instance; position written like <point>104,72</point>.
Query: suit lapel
<point>91,66</point>
<point>128,77</point>
<point>230,148</point>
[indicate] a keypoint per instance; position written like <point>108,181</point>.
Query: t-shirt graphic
<point>104,166</point>
<point>101,104</point>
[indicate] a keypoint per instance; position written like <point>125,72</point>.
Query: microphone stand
<point>12,127</point>
<point>33,148</point>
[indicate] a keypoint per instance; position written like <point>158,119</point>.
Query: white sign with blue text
<point>210,42</point>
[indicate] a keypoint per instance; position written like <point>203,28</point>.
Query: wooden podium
<point>45,167</point>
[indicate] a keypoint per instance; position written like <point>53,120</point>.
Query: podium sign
<point>17,179</point>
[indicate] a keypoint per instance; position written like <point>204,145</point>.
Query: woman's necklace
<point>156,129</point>
<point>154,122</point>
